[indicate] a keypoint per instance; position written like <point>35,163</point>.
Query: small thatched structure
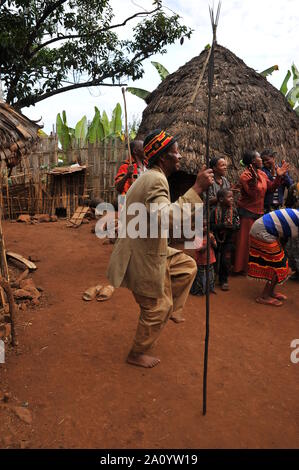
<point>247,112</point>
<point>17,134</point>
<point>66,187</point>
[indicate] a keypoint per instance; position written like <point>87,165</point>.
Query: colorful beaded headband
<point>158,143</point>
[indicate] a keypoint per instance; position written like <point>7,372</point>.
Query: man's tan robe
<point>160,277</point>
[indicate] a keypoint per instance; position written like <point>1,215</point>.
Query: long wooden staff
<point>126,125</point>
<point>210,86</point>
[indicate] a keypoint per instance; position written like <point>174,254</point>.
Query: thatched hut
<point>17,134</point>
<point>247,112</point>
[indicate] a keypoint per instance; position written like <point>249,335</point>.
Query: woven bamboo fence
<point>23,192</point>
<point>29,190</point>
<point>102,160</point>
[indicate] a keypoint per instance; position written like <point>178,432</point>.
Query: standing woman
<point>254,185</point>
<point>219,167</point>
<point>274,200</point>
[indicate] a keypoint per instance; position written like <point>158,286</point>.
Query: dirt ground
<point>70,371</point>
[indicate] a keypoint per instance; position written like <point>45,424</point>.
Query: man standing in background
<point>127,173</point>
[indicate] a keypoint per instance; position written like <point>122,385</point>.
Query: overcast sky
<point>261,32</point>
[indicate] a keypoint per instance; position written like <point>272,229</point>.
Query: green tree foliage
<point>52,46</point>
<point>140,92</point>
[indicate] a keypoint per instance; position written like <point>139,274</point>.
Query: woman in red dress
<point>254,184</point>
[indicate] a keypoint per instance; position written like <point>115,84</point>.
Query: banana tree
<point>102,128</point>
<point>64,132</point>
<point>140,92</point>
<point>292,95</point>
<point>99,129</point>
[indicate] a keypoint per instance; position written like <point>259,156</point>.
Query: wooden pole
<point>207,205</point>
<point>7,195</point>
<point>126,125</point>
<point>4,266</point>
<point>12,310</point>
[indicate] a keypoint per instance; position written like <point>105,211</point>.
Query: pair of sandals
<point>98,292</point>
<point>276,301</point>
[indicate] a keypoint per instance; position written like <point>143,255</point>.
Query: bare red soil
<point>70,364</point>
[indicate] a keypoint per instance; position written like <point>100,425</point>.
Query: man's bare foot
<point>177,318</point>
<point>142,360</point>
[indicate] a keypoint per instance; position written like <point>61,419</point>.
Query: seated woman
<point>267,259</point>
<point>254,184</point>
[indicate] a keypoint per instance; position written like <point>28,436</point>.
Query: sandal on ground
<point>105,293</point>
<point>271,301</point>
<point>225,286</point>
<point>91,292</point>
<point>279,296</point>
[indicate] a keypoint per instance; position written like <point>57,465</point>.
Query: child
<point>224,222</point>
<point>200,281</point>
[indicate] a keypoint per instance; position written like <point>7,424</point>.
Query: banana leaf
<point>116,123</point>
<point>63,132</point>
<point>81,130</point>
<point>284,85</point>
<point>106,124</point>
<point>293,96</point>
<point>162,71</point>
<point>96,130</point>
<point>138,92</point>
<point>64,117</point>
<point>269,71</point>
<point>295,74</point>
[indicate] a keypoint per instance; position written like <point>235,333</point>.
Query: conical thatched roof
<point>247,112</point>
<point>17,134</point>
